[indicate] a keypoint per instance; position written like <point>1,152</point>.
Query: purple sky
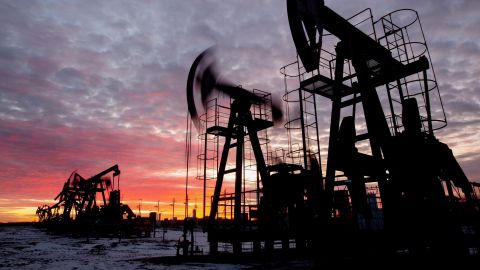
<point>87,84</point>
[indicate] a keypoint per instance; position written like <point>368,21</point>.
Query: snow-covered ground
<point>27,247</point>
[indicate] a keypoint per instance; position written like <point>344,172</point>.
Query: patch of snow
<point>27,247</point>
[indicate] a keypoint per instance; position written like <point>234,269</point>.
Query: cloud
<point>85,86</point>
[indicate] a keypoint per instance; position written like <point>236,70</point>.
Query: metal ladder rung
<point>230,171</point>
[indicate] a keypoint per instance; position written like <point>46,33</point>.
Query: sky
<point>88,84</point>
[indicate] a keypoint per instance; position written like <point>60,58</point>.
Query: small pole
<point>156,220</point>
<point>140,208</point>
<point>173,208</point>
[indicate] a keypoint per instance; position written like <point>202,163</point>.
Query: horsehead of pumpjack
<point>308,19</point>
<point>307,30</point>
<point>203,81</point>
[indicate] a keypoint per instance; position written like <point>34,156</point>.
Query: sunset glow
<point>84,86</point>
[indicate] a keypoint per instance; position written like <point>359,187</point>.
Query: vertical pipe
<point>237,217</point>
<point>188,145</point>
<point>205,173</point>
<point>258,188</point>
<point>302,123</point>
<point>427,103</point>
<point>238,176</point>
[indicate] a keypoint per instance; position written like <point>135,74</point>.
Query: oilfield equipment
<point>83,208</point>
<point>387,185</point>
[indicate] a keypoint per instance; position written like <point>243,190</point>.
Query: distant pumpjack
<point>79,211</point>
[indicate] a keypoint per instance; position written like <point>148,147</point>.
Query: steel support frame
<point>239,119</point>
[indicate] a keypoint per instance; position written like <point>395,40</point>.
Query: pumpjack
<point>394,188</point>
<point>79,210</point>
<point>266,220</point>
<point>414,171</point>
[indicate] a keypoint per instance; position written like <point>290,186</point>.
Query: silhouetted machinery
<point>413,170</point>
<point>392,188</point>
<point>80,210</point>
<point>241,124</point>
